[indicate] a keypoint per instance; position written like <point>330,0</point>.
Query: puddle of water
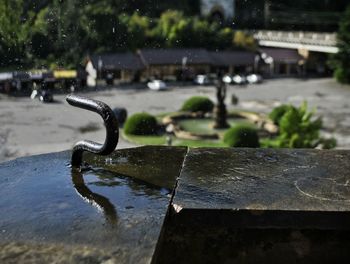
<point>47,202</point>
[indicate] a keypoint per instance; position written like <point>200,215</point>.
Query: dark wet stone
<point>266,187</point>
<point>220,244</point>
<point>155,165</point>
<point>230,206</point>
<point>45,203</point>
<point>259,205</point>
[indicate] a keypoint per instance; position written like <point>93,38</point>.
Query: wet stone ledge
<point>178,205</point>
<point>89,217</point>
<point>260,205</point>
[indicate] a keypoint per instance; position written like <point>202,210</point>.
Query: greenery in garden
<point>242,136</point>
<point>198,104</point>
<point>341,60</point>
<point>297,129</point>
<point>278,112</point>
<point>141,124</point>
<point>244,40</point>
<point>161,140</point>
<point>38,33</point>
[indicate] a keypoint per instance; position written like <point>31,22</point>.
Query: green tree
<point>180,34</point>
<point>60,33</point>
<point>165,24</point>
<point>341,61</point>
<point>176,30</point>
<point>41,43</point>
<point>14,32</point>
<point>137,30</point>
<point>224,38</point>
<point>13,26</point>
<point>65,31</point>
<point>104,30</point>
<point>243,40</point>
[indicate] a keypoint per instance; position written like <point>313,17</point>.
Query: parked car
<point>227,79</point>
<point>239,79</point>
<point>202,80</point>
<point>157,85</point>
<point>254,78</point>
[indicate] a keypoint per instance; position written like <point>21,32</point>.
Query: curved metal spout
<point>111,124</point>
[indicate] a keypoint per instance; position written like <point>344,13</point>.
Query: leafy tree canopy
<point>60,33</point>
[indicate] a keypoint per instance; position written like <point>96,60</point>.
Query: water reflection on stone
<point>45,202</point>
<point>101,202</point>
<point>100,178</point>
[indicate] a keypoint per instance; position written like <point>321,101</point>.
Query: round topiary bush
<point>278,112</point>
<point>198,104</point>
<point>140,124</point>
<point>242,136</point>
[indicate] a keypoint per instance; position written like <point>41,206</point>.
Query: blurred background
<point>229,73</point>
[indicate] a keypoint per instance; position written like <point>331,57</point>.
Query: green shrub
<point>141,124</point>
<point>328,143</point>
<point>198,104</point>
<point>242,136</point>
<point>298,129</point>
<point>278,112</point>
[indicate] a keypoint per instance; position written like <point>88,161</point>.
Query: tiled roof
<point>146,57</point>
<point>174,56</point>
<point>227,58</point>
<point>118,61</point>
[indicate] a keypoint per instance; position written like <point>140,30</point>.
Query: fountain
<point>220,112</point>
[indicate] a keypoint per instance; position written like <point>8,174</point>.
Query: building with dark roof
<point>175,56</point>
<point>234,62</point>
<point>123,66</point>
<point>277,61</point>
<point>185,64</point>
<point>181,63</point>
<point>117,61</point>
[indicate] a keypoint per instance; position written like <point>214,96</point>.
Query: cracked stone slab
<point>270,205</point>
<point>265,188</point>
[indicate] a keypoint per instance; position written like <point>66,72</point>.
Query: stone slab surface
<point>265,188</point>
<point>259,205</point>
<point>155,165</point>
<point>96,215</point>
<point>229,205</point>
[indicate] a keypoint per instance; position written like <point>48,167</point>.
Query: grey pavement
<point>29,127</point>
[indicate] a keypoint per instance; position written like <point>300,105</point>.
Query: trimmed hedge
<point>242,136</point>
<point>141,124</point>
<point>198,104</point>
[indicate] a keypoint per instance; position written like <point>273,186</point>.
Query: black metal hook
<point>112,129</point>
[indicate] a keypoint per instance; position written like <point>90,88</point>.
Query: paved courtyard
<point>29,127</point>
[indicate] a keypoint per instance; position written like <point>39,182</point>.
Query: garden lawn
<point>205,125</point>
<point>161,140</point>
